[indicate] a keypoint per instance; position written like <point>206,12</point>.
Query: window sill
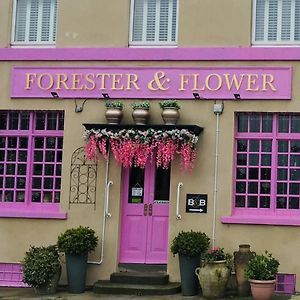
<point>33,214</point>
<point>263,220</point>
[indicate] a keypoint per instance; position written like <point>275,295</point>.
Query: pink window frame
<point>272,215</point>
<point>27,208</point>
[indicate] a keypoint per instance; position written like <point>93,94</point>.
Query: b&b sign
<point>196,203</point>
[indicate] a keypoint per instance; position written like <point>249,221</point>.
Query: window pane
<point>240,201</point>
<point>253,159</point>
<point>254,123</point>
<point>23,143</point>
<point>3,118</point>
<point>253,173</point>
<point>136,185</point>
<point>293,203</point>
<point>36,183</point>
<point>254,145</point>
<point>12,142</point>
<point>2,142</point>
<point>265,173</point>
<point>294,189</point>
<point>282,174</point>
<point>24,120</point>
<point>21,181</point>
<point>241,187</point>
<point>39,143</point>
<point>295,124</point>
<point>295,174</point>
<point>295,146</point>
<point>22,169</point>
<point>267,123</point>
<point>281,202</point>
<point>241,173</point>
<point>51,121</point>
<point>252,201</point>
<point>283,123</point>
<point>264,202</point>
<point>13,121</point>
<point>162,184</point>
<point>36,197</point>
<point>266,160</point>
<point>242,146</point>
<point>252,187</point>
<point>48,183</point>
<point>242,159</point>
<point>20,197</point>
<point>242,123</point>
<point>282,160</point>
<point>281,188</point>
<point>9,196</point>
<point>283,146</point>
<point>40,121</point>
<point>50,143</point>
<point>295,160</point>
<point>265,188</point>
<point>266,146</point>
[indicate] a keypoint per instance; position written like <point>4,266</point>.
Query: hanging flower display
<point>134,147</point>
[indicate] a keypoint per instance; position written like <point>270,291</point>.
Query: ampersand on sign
<point>159,82</point>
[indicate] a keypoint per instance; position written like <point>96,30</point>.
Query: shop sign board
<point>260,83</point>
<point>196,203</point>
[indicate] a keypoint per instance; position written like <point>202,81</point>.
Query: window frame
<point>271,43</point>
<point>151,43</point>
<point>28,208</point>
<point>31,43</point>
<point>271,215</point>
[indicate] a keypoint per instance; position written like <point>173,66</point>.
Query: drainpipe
<point>218,110</point>
<point>106,214</point>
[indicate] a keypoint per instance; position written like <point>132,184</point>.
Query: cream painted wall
<point>281,239</point>
<point>104,23</point>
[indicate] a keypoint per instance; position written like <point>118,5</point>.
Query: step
<point>107,287</point>
<point>140,278</point>
<point>142,268</point>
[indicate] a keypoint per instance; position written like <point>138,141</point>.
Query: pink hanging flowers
<point>135,147</point>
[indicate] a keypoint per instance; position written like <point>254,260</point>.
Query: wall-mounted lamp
<point>105,95</point>
<point>54,95</point>
<point>78,108</point>
<point>237,96</point>
<point>196,96</point>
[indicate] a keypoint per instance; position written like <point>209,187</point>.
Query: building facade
<point>232,66</point>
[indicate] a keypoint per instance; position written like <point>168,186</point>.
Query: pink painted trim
<point>33,214</point>
<point>149,54</point>
<point>288,221</point>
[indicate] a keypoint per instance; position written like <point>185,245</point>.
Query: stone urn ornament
<point>114,112</point>
<point>214,272</point>
<point>140,113</point>
<point>241,259</point>
<point>170,111</point>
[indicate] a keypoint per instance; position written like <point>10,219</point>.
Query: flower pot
<point>76,272</point>
<point>189,282</point>
<point>213,278</point>
<point>241,259</point>
<point>170,115</point>
<point>114,115</point>
<point>262,289</point>
<point>140,116</point>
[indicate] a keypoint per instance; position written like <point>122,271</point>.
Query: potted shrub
<point>170,111</point>
<point>42,269</point>
<point>140,113</point>
<point>76,243</point>
<point>214,272</point>
<point>189,245</point>
<point>114,112</point>
<point>261,272</point>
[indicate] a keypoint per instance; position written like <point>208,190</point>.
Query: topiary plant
<point>190,243</point>
<point>40,265</point>
<point>77,241</point>
<point>262,267</point>
<point>114,104</point>
<point>169,103</point>
<point>144,105</point>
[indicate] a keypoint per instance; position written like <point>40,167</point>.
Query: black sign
<point>196,203</point>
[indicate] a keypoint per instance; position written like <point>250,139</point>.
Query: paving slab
<point>29,294</point>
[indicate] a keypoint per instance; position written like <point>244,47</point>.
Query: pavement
<point>29,294</point>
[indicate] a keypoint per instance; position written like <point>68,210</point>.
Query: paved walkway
<point>29,294</point>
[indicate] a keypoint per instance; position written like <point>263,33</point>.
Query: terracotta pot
<point>213,279</point>
<point>241,258</point>
<point>170,115</point>
<point>140,116</point>
<point>262,289</point>
<point>114,115</point>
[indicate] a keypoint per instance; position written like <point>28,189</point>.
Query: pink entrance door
<point>145,215</point>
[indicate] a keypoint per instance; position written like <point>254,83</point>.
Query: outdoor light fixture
<point>54,95</point>
<point>196,96</point>
<point>105,95</point>
<point>237,96</point>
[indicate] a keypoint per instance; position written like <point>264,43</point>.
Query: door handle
<point>150,209</point>
<point>145,209</point>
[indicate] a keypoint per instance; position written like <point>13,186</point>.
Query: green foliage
<point>262,267</point>
<point>190,243</point>
<point>216,254</point>
<point>40,265</point>
<point>113,104</point>
<point>77,241</point>
<point>169,103</point>
<point>144,105</point>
